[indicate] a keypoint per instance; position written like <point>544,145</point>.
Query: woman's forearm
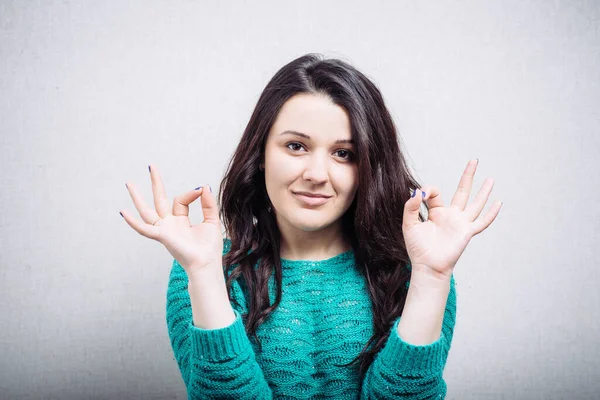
<point>211,308</point>
<point>423,314</point>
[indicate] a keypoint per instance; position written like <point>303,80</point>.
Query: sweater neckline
<point>341,260</point>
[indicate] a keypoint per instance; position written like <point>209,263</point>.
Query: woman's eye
<point>349,155</point>
<point>346,154</point>
<point>292,144</point>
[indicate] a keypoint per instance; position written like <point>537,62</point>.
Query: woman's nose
<point>316,170</point>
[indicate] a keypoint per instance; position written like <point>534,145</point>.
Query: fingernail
<point>149,170</point>
<point>210,188</point>
<point>423,194</point>
<point>121,214</point>
<point>415,192</point>
<point>198,187</point>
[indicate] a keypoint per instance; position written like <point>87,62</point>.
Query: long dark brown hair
<point>373,222</point>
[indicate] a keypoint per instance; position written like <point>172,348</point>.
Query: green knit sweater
<point>324,319</point>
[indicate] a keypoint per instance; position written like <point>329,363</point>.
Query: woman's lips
<point>311,201</point>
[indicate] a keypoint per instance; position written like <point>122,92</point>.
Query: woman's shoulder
<point>226,245</point>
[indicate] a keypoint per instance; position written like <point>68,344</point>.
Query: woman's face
<point>309,151</point>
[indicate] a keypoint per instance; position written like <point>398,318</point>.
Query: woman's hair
<point>373,222</point>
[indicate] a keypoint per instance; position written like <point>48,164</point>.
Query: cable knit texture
<point>324,319</point>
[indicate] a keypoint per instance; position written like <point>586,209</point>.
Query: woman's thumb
<point>209,205</point>
<point>412,208</point>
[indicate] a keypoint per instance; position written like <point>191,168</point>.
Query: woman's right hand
<point>197,248</point>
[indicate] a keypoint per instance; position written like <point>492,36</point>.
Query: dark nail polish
<point>121,214</point>
<point>198,187</point>
<point>149,170</point>
<point>415,192</point>
<point>423,194</point>
<point>210,188</point>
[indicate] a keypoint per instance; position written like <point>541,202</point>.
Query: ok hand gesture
<point>198,247</point>
<point>434,246</point>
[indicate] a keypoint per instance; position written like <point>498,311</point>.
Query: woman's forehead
<point>312,117</point>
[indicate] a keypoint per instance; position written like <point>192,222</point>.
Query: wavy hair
<point>373,222</point>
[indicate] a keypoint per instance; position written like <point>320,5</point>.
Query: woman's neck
<point>314,245</point>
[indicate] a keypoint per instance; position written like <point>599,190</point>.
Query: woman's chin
<point>311,223</point>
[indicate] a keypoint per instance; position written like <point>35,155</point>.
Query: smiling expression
<point>311,174</point>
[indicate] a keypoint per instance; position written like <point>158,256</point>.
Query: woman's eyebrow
<point>304,135</point>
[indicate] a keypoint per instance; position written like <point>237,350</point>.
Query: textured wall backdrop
<point>92,92</point>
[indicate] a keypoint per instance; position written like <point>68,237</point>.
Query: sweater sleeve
<point>214,363</point>
<point>405,371</point>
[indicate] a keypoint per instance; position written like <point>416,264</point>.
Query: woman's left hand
<point>434,246</point>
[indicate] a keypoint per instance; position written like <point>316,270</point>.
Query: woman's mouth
<point>310,200</point>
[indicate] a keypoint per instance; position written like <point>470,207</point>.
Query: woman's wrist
<point>211,308</point>
<point>423,313</point>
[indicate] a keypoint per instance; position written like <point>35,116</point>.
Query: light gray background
<point>92,92</point>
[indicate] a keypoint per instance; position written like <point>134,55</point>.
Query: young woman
<point>330,282</point>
